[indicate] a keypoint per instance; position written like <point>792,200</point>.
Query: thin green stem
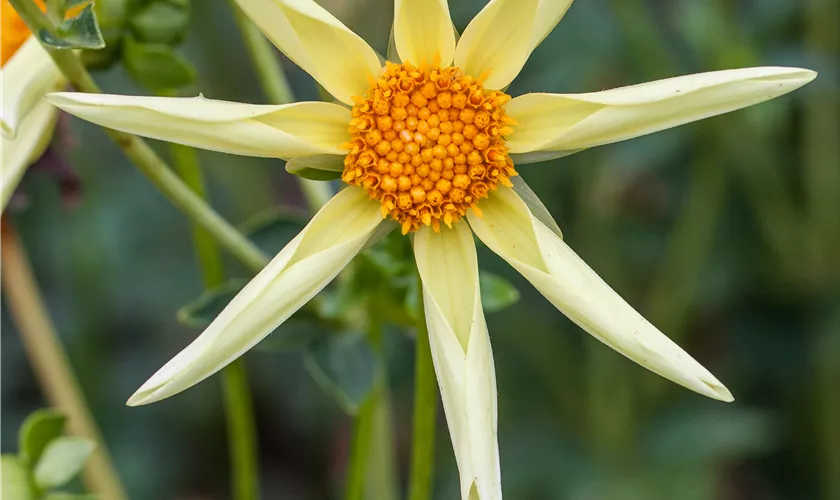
<point>144,158</point>
<point>425,410</point>
<point>821,123</point>
<point>360,447</point>
<point>264,59</point>
<point>50,363</point>
<point>242,435</point>
<point>237,396</point>
<point>276,88</point>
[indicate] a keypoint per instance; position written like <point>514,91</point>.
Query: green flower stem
<point>276,88</point>
<point>360,446</point>
<point>238,402</point>
<point>50,363</point>
<point>242,435</point>
<point>425,410</point>
<point>141,154</point>
<point>821,123</point>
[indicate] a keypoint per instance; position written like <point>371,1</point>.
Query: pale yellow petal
<point>423,31</point>
<point>566,281</point>
<point>286,131</point>
<point>462,354</point>
<point>32,138</point>
<point>302,269</point>
<point>549,13</point>
<point>319,43</point>
<point>565,123</point>
<point>499,40</point>
<point>27,76</point>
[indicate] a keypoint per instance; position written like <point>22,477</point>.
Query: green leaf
<point>273,229</point>
<point>315,174</point>
<point>62,460</point>
<point>15,483</point>
<point>162,22</point>
<point>203,310</point>
<point>156,66</point>
<point>301,331</point>
<point>36,432</point>
<point>343,365</point>
<point>80,32</point>
<point>497,293</point>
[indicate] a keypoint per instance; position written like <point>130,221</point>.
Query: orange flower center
<point>14,31</point>
<point>428,143</point>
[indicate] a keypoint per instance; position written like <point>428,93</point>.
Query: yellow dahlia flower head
<point>433,142</point>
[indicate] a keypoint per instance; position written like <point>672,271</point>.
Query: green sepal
<point>317,168</point>
<point>36,432</point>
<point>79,32</point>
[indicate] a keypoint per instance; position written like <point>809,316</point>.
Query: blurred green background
<point>724,234</point>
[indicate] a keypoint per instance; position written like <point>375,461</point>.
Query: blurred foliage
<point>47,460</point>
<point>724,233</point>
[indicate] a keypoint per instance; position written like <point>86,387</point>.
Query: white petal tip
<point>707,385</point>
<point>717,391</point>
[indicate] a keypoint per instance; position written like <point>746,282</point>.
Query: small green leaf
<point>343,365</point>
<point>36,432</point>
<point>80,32</point>
<point>301,331</point>
<point>15,483</point>
<point>162,22</point>
<point>62,460</point>
<point>497,293</point>
<point>203,310</point>
<point>273,229</point>
<point>156,66</point>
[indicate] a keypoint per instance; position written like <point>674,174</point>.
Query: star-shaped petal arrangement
<point>433,142</point>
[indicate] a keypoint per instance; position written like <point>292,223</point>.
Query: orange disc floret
<point>428,143</point>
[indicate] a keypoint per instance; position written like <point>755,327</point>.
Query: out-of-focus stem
<point>242,434</point>
<point>239,411</point>
<point>425,410</point>
<point>143,157</point>
<point>827,375</point>
<point>821,125</point>
<point>50,363</point>
<point>276,88</point>
<point>675,286</point>
<point>360,447</point>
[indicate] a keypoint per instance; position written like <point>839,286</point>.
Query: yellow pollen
<point>14,31</point>
<point>428,143</point>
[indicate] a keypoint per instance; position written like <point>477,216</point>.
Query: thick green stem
<point>50,363</point>
<point>425,410</point>
<point>276,88</point>
<point>144,158</point>
<point>237,396</point>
